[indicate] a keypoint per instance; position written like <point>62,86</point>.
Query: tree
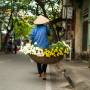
<point>49,8</point>
<point>21,28</point>
<point>11,8</point>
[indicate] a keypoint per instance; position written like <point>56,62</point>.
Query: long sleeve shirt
<point>40,36</point>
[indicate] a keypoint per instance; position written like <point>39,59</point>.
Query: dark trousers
<point>41,68</point>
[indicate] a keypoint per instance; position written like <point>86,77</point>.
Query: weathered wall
<point>88,40</point>
<point>0,41</point>
<point>78,33</point>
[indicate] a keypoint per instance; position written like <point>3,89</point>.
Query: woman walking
<point>40,36</point>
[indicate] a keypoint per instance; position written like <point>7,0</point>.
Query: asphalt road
<point>17,72</point>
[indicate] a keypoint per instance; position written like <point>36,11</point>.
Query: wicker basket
<point>46,60</point>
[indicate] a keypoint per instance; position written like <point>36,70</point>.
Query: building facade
<point>82,27</point>
<point>78,27</point>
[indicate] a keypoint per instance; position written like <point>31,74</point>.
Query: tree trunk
<point>41,4</point>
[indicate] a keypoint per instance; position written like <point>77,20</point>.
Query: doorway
<point>84,35</point>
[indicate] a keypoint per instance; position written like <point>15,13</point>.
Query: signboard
<point>69,12</point>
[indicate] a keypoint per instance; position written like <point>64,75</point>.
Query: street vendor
<point>39,37</point>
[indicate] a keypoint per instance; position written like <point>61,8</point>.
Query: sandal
<point>44,76</point>
<point>39,75</point>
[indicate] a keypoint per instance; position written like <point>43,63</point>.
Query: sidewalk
<point>1,53</point>
<point>78,73</point>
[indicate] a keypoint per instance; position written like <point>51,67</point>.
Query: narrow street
<point>18,72</point>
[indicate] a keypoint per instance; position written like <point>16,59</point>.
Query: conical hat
<point>41,20</point>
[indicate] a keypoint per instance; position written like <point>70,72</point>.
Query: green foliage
<point>8,4</point>
<point>22,28</point>
<point>51,7</point>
